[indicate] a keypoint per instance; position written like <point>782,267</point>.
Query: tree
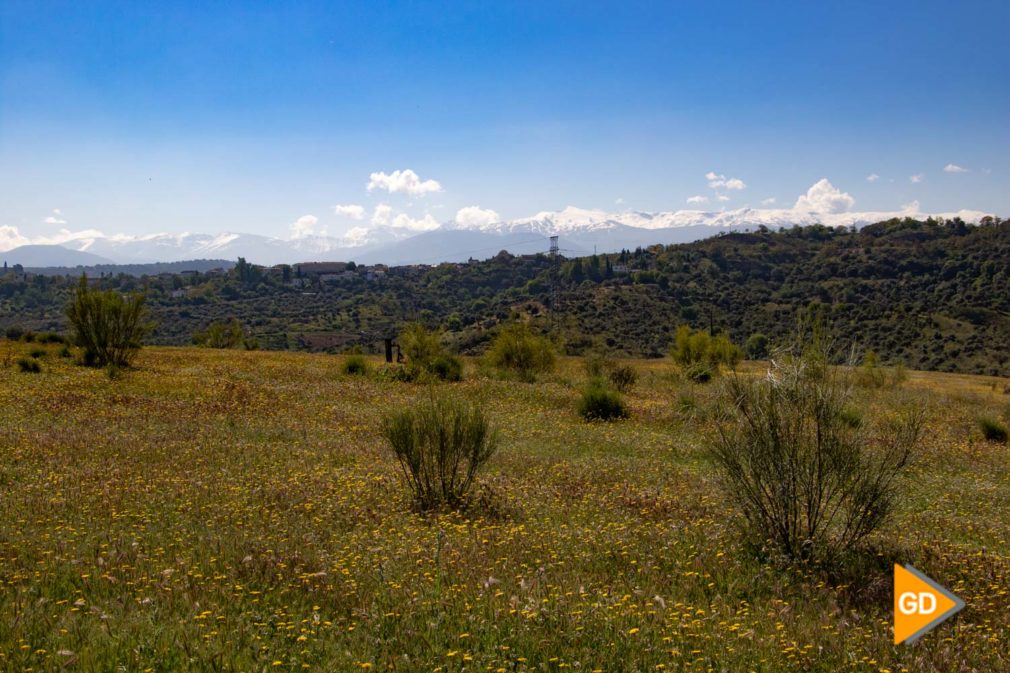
<point>108,326</point>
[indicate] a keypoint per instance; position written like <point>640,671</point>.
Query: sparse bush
<point>600,404</point>
<point>623,377</point>
<point>992,429</point>
<point>872,375</point>
<point>517,351</point>
<point>108,326</point>
<point>29,365</point>
<point>807,479</point>
<point>440,445</point>
<point>37,352</point>
<point>355,365</point>
<point>14,333</point>
<point>597,365</point>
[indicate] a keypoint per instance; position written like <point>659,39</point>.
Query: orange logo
<point>919,604</point>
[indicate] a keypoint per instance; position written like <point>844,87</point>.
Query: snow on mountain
<point>582,229</point>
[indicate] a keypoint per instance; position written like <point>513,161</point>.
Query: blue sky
<point>209,117</point>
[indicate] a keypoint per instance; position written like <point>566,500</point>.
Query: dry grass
<point>238,511</point>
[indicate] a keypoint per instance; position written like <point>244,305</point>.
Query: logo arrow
<point>920,603</point>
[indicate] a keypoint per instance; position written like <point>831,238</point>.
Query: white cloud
<point>722,198</point>
<point>54,220</point>
<point>824,197</point>
<point>697,199</point>
<point>304,226</point>
<point>353,211</point>
<point>910,208</point>
<point>717,181</point>
<point>475,217</point>
<point>382,214</point>
<point>619,200</point>
<point>426,223</point>
<point>405,181</point>
<point>10,238</point>
<point>356,236</point>
<point>770,201</point>
<point>916,178</point>
<point>872,177</point>
<point>954,168</point>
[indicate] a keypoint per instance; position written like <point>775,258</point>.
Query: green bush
<point>756,346</point>
<point>440,445</point>
<point>696,347</point>
<point>992,429</point>
<point>517,351</point>
<point>446,367</point>
<point>355,365</point>
<point>29,365</point>
<point>38,352</point>
<point>109,327</point>
<point>597,403</point>
<point>222,335</point>
<point>420,346</point>
<point>14,333</point>
<point>809,481</point>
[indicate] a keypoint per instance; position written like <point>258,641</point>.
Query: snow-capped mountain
<point>581,230</point>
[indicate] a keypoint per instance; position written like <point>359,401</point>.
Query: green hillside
<point>933,295</point>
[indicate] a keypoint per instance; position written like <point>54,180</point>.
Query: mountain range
<point>580,231</point>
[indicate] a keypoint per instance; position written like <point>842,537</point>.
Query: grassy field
<point>238,511</point>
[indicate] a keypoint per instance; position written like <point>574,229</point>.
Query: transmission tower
<point>555,279</point>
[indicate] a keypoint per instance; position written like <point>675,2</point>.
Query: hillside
<point>933,295</point>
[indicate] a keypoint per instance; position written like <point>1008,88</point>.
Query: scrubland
<point>239,511</point>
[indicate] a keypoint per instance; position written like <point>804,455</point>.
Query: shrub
<point>992,429</point>
<point>440,445</point>
<point>221,335</point>
<point>447,367</point>
<point>420,346</point>
<point>517,351</point>
<point>756,346</point>
<point>807,480</point>
<point>14,333</point>
<point>699,372</point>
<point>29,365</point>
<point>597,365</point>
<point>623,377</point>
<point>355,365</point>
<point>694,347</point>
<point>109,327</point>
<point>600,404</point>
<point>38,352</point>
<point>872,375</point>
<point>426,357</point>
<point>50,338</point>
